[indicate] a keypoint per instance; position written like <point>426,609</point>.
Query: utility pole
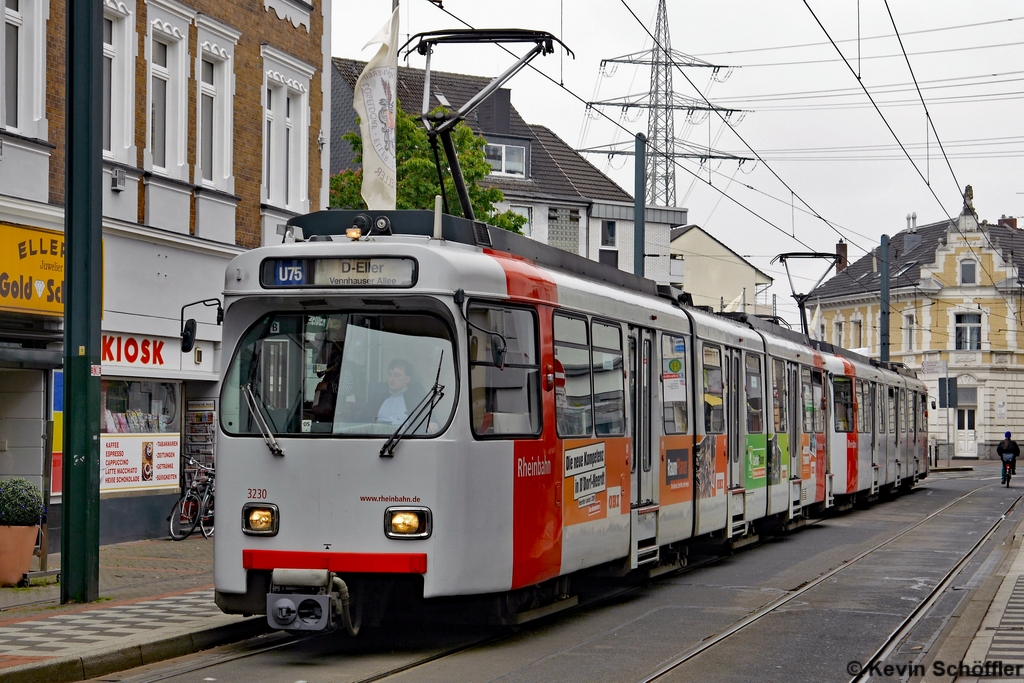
<point>83,210</point>
<point>883,355</point>
<point>661,103</point>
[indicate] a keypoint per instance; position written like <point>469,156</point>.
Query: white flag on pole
<point>815,331</point>
<point>374,102</point>
<point>735,304</point>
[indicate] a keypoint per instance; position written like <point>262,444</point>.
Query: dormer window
<point>506,159</point>
<point>967,274</point>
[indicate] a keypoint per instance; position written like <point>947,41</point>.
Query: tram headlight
<point>407,523</point>
<point>260,519</point>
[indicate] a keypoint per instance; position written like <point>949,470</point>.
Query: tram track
<point>215,660</point>
<point>675,662</point>
<point>289,641</point>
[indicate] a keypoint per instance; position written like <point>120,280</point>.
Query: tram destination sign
<point>386,272</point>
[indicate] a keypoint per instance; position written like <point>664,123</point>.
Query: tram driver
<point>396,398</point>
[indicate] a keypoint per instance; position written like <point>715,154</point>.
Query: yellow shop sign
<point>31,270</point>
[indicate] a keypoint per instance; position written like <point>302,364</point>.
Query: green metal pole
<point>639,199</point>
<point>80,504</point>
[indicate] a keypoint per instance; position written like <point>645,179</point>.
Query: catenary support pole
<point>639,196</point>
<point>883,323</point>
<point>80,513</point>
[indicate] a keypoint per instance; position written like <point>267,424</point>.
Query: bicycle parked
<point>195,507</point>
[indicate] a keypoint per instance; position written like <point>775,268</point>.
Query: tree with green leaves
<point>417,174</point>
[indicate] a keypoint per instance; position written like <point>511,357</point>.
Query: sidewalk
<point>156,602</point>
<point>1001,635</point>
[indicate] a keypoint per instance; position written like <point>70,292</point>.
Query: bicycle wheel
<point>185,515</point>
<point>206,519</point>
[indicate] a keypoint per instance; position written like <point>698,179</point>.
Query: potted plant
<point>21,506</point>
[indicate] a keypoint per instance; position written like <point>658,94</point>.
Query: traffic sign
<point>934,367</point>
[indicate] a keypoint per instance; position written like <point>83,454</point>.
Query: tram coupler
<point>309,600</point>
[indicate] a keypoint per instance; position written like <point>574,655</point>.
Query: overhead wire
<point>865,38</point>
<point>928,184</point>
<point>676,161</point>
<point>679,68</point>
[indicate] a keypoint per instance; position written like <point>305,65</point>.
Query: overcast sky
<point>807,115</point>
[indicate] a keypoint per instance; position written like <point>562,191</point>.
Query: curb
<point>954,468</point>
<point>118,659</point>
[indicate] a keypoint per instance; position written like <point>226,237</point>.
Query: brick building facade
<point>214,134</point>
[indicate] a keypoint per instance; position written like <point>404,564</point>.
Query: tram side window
<point>892,409</point>
<point>573,403</point>
<point>504,400</point>
<point>755,393</point>
<point>807,400</point>
<point>819,401</point>
<point>880,407</point>
<point>780,396</point>
<point>903,411</point>
<point>673,383</point>
<point>714,391</point>
<point>346,374</point>
<point>863,407</point>
<point>609,392</point>
<point>842,388</point>
<point>922,414</point>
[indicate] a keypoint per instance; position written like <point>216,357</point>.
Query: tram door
<point>733,379</point>
<point>796,411</point>
<point>643,472</point>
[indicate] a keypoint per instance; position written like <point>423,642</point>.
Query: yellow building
<point>955,307</point>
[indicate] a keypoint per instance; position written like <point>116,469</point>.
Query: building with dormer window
<point>955,303</point>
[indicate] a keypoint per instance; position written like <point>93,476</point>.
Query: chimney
<point>1008,222</point>
<point>840,256</point>
<point>912,222</point>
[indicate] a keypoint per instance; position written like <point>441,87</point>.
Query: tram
<point>417,407</point>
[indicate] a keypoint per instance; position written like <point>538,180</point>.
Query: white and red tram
<point>476,414</point>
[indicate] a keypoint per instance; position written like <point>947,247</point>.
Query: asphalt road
<point>814,637</point>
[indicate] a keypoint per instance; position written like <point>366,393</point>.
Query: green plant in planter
<point>21,503</point>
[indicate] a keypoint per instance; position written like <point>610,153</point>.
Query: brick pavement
<point>156,601</point>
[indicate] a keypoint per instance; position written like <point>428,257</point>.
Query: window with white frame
<point>159,77</point>
<point>968,331</point>
<point>286,130</point>
<point>506,159</point>
<point>214,68</point>
<point>527,213</point>
<point>23,67</point>
<point>13,22</point>
<point>168,57</point>
<point>108,68</point>
<point>967,273</point>
<point>119,40</point>
<point>856,334</point>
<point>908,332</point>
<point>838,339</point>
<point>608,235</point>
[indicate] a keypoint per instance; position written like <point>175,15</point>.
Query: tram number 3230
<point>257,494</point>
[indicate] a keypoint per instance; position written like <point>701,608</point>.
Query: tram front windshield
<point>346,374</point>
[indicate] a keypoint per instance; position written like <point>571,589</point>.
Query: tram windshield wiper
<point>261,422</point>
<point>423,411</point>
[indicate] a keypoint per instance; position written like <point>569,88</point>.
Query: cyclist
<point>1008,450</point>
